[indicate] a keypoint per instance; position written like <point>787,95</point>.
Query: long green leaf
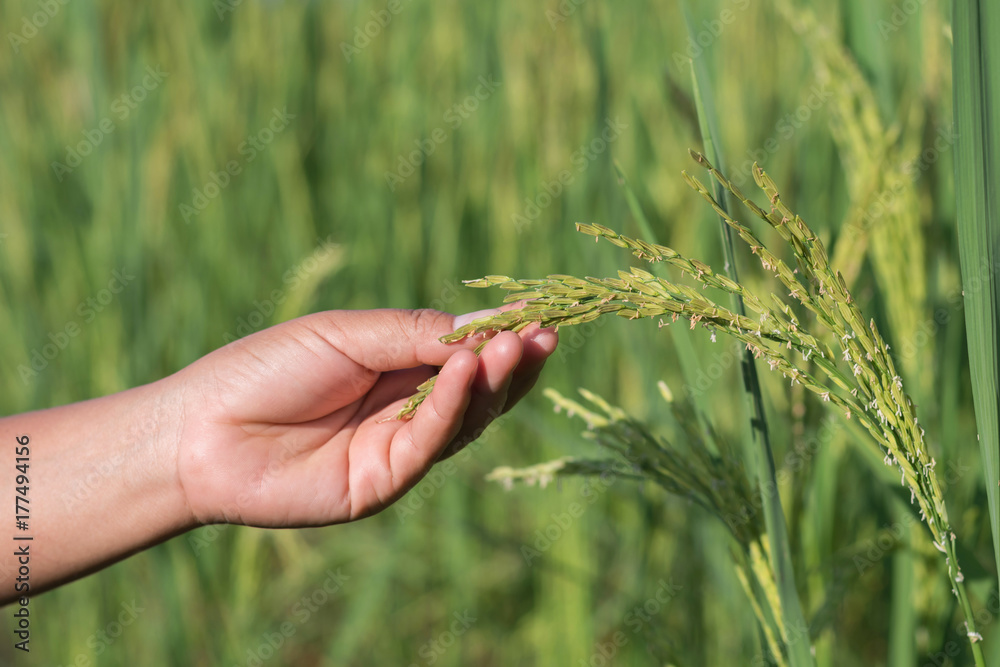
<point>976,63</point>
<point>797,635</point>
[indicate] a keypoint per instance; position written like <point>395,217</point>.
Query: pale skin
<point>289,427</point>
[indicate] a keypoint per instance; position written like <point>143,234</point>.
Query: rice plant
<point>563,73</point>
<point>837,354</point>
<point>702,468</point>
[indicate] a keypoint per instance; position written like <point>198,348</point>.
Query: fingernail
<point>462,320</point>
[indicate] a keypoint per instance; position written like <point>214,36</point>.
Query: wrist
<point>199,472</point>
<point>162,411</point>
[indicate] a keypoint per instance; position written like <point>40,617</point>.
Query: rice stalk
<point>883,223</point>
<point>682,342</point>
<point>757,435</point>
<point>702,469</point>
<point>860,380</point>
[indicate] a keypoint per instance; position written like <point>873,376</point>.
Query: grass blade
<point>976,59</point>
<point>796,629</point>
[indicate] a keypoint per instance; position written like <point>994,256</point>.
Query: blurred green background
<point>215,150</point>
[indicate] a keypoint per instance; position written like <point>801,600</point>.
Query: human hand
<point>292,426</point>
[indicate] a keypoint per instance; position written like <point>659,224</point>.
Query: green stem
<point>963,600</point>
<point>797,633</point>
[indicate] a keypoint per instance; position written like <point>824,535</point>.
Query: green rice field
<point>238,163</point>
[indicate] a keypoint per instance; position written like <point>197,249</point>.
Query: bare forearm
<point>102,484</point>
<point>291,426</point>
